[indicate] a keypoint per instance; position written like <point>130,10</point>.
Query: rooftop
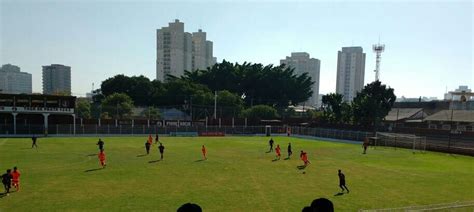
<point>452,115</point>
<point>405,113</point>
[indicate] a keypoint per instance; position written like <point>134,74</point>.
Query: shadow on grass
<point>153,161</point>
<point>275,160</point>
<point>339,194</point>
<point>268,151</point>
<point>200,160</point>
<point>92,170</point>
<point>3,195</point>
<point>286,159</point>
<point>141,155</point>
<point>301,167</point>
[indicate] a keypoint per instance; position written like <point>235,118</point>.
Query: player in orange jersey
<point>16,178</point>
<point>204,151</point>
<point>150,139</point>
<point>278,151</point>
<point>304,158</point>
<point>102,158</point>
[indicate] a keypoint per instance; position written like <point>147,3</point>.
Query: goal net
<point>417,143</point>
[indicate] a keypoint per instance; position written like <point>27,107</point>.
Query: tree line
<point>243,90</point>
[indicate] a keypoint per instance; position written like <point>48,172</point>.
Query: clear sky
<point>429,44</point>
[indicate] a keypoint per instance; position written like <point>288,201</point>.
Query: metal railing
<point>451,144</point>
<point>110,129</point>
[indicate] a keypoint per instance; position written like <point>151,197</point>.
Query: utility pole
<point>395,128</point>
<point>215,104</point>
<point>450,131</point>
<point>191,108</point>
<point>116,111</point>
<point>396,121</point>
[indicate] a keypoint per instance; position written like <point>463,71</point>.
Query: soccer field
<point>64,174</point>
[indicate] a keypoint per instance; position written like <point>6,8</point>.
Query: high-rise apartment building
<point>13,81</point>
<point>350,72</point>
<point>302,63</point>
<point>202,51</point>
<point>178,51</point>
<point>56,79</point>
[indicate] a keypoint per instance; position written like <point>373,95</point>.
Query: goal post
<point>409,141</point>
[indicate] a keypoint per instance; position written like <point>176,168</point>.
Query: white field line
<point>447,207</point>
<point>441,206</point>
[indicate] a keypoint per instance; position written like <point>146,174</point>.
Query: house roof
<point>457,116</point>
<point>403,113</point>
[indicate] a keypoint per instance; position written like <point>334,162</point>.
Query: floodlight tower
<point>378,49</point>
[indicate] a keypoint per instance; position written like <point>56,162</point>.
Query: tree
<point>179,92</point>
<point>346,113</point>
<point>270,85</point>
<point>139,88</point>
<point>314,114</point>
<point>117,84</point>
<point>372,104</point>
<point>97,96</point>
<point>230,104</point>
<point>105,115</point>
<point>96,108</point>
<point>288,112</point>
<point>118,104</point>
<point>83,108</point>
<point>157,95</point>
<point>260,112</point>
<point>332,107</point>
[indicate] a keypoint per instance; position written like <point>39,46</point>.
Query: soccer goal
<point>417,143</point>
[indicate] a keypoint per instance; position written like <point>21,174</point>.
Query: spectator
<point>322,205</point>
<point>189,207</point>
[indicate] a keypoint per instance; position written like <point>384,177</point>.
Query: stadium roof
<point>405,114</point>
<point>457,116</point>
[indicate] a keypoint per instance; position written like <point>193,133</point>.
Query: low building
<point>417,99</point>
<point>428,107</point>
<point>459,94</point>
<point>174,114</point>
<point>32,114</point>
<point>405,114</point>
<point>454,120</point>
<point>402,117</point>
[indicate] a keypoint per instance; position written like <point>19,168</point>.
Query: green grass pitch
<point>238,176</point>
